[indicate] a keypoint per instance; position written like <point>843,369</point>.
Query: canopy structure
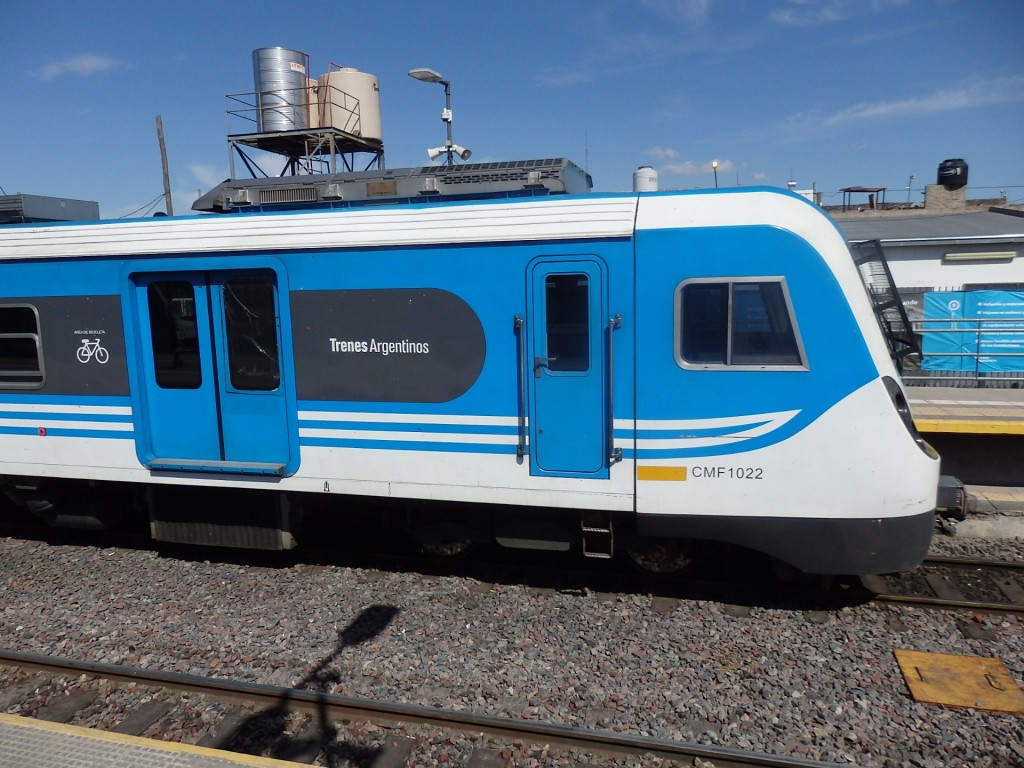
<point>876,196</point>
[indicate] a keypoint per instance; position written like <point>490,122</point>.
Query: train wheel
<point>449,548</point>
<point>664,556</point>
<point>443,535</point>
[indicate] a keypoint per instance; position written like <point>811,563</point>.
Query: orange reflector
<point>960,681</point>
<point>661,473</point>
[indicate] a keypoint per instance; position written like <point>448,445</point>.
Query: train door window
<point>250,316</point>
<point>567,306</point>
<point>736,323</point>
<point>174,334</point>
<point>21,359</point>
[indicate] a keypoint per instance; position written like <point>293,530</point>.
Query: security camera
<point>461,151</point>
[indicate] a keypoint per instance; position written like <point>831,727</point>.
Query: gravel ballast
<point>822,685</point>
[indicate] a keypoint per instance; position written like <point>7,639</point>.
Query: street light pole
<point>714,167</point>
<point>430,76</point>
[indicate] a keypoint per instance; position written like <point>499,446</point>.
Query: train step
<point>598,536</point>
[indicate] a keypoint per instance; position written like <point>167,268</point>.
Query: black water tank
<point>953,174</point>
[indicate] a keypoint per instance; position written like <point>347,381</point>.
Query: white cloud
<point>82,65</point>
<point>802,13</point>
<point>692,168</point>
<point>810,13</point>
<point>689,11</point>
<point>661,153</point>
<point>207,176</point>
<point>967,96</point>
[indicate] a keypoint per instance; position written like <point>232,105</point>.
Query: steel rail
<point>938,602</point>
<point>880,589</point>
<point>974,562</point>
<point>335,706</point>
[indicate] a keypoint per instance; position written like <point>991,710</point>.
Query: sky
<point>826,93</point>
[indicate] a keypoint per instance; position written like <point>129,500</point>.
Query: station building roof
<point>920,229</point>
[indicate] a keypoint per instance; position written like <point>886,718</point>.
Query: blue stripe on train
<point>67,416</point>
<point>410,426</point>
<point>62,432</point>
<point>412,445</point>
<point>93,400</point>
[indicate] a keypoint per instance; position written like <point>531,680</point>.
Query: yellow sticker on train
<point>661,473</point>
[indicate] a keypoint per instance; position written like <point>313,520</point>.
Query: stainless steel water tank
<point>282,98</point>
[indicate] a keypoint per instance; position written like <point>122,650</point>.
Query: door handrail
<point>518,325</point>
<point>614,454</point>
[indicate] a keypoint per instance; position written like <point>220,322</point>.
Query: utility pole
<point>163,163</point>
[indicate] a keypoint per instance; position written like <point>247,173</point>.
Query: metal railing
<point>310,108</point>
<point>981,352</point>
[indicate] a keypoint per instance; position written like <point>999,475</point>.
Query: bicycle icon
<point>90,350</point>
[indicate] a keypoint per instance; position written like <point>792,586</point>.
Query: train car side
<point>533,354</point>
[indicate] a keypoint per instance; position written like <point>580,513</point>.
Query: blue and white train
<point>652,372</point>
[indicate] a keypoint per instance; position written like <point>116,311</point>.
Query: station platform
<point>29,743</point>
<point>967,411</point>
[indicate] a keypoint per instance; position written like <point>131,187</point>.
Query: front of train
<point>779,423</point>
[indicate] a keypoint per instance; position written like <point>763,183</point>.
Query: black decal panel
<point>418,345</point>
<point>82,344</point>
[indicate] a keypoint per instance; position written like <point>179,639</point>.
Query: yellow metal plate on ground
<point>960,681</point>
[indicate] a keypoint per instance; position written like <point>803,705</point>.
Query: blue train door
<point>568,381</point>
<point>209,348</point>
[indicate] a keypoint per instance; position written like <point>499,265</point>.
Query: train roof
<point>433,183</point>
<point>554,217</point>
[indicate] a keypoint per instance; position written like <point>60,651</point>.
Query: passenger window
<point>736,323</point>
<point>172,323</point>
<point>21,358</point>
<point>567,303</point>
<point>250,315</point>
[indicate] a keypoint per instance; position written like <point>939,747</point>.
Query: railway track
<point>951,582</point>
<point>325,710</point>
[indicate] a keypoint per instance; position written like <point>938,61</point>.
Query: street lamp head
<point>426,75</point>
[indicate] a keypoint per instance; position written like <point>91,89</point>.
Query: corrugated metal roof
<point>950,226</point>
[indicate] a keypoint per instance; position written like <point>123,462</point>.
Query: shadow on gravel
<point>265,733</point>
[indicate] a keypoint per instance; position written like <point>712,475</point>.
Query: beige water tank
<point>312,100</point>
<point>350,101</point>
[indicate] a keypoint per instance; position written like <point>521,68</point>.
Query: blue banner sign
<point>979,331</point>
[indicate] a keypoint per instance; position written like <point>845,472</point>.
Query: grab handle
<point>614,454</point>
<point>517,323</point>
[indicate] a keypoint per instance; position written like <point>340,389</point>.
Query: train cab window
<point>738,323</point>
<point>21,359</point>
<point>172,322</point>
<point>567,303</point>
<point>250,316</point>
